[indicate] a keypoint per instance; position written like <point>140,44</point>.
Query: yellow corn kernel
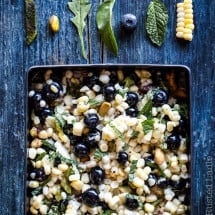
<point>181,4</point>
<point>187,31</point>
<point>187,1</point>
<point>181,19</point>
<point>188,16</point>
<point>188,6</point>
<point>179,29</point>
<point>188,37</point>
<point>188,21</point>
<point>180,15</point>
<point>189,26</point>
<point>180,24</point>
<point>188,11</point>
<point>180,35</point>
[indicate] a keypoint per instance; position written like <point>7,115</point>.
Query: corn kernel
<point>188,37</point>
<point>189,26</point>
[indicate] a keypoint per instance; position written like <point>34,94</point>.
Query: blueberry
<point>109,92</point>
<point>39,174</point>
<point>173,141</point>
<point>92,80</point>
<point>90,197</point>
<point>131,203</point>
<point>104,206</point>
<point>179,184</point>
<point>149,161</point>
<point>97,175</point>
<point>57,161</point>
<point>92,138</point>
<point>132,99</point>
<point>122,157</point>
<point>131,112</point>
<point>129,22</point>
<point>74,139</point>
<point>67,128</point>
<point>43,113</point>
<point>81,150</point>
<point>182,128</point>
<point>91,120</point>
<point>163,182</point>
<point>35,101</point>
<point>52,91</point>
<point>62,205</point>
<point>160,98</point>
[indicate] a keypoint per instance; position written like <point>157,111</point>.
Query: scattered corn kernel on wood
<point>185,26</point>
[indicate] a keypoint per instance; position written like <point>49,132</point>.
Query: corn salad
<point>107,142</point>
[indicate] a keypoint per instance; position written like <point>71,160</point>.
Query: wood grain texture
<point>64,48</point>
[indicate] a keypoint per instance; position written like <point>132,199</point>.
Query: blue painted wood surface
<point>64,48</point>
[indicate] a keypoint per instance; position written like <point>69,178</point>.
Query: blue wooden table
<point>64,48</point>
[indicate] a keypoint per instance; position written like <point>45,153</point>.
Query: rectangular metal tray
<point>181,77</point>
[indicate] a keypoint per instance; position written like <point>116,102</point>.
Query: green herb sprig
<point>80,8</point>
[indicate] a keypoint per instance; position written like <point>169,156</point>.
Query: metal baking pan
<point>173,79</point>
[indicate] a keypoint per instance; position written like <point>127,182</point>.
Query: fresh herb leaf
<point>30,21</point>
<point>108,212</point>
<point>80,8</point>
<point>184,110</point>
<point>157,202</point>
<point>98,154</point>
<point>148,125</point>
<point>41,156</point>
<point>132,170</point>
<point>134,134</point>
<point>156,22</point>
<point>94,102</point>
<point>129,82</point>
<point>104,25</point>
<point>38,190</point>
<point>53,210</point>
<point>65,185</point>
<point>125,147</point>
<point>122,92</point>
<point>60,121</point>
<point>49,144</point>
<point>147,109</point>
<point>117,132</point>
<point>68,172</point>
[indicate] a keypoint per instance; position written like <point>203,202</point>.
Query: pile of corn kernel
<point>67,186</point>
<point>185,26</point>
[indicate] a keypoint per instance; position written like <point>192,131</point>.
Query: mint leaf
<point>80,8</point>
<point>129,82</point>
<point>98,155</point>
<point>117,132</point>
<point>156,22</point>
<point>148,125</point>
<point>132,170</point>
<point>147,109</point>
<point>94,102</point>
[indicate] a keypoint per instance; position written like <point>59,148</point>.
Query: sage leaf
<point>80,8</point>
<point>30,21</point>
<point>156,22</point>
<point>104,25</point>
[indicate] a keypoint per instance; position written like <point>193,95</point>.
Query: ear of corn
<point>185,26</point>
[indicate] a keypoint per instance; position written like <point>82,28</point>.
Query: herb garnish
<point>80,8</point>
<point>30,21</point>
<point>129,82</point>
<point>108,212</point>
<point>94,102</point>
<point>156,22</point>
<point>117,132</point>
<point>148,125</point>
<point>98,154</point>
<point>132,170</point>
<point>104,25</point>
<point>134,134</point>
<point>147,109</point>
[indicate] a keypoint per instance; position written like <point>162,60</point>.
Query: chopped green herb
<point>65,185</point>
<point>148,125</point>
<point>157,202</point>
<point>98,155</point>
<point>68,172</point>
<point>155,166</point>
<point>49,144</point>
<point>108,212</point>
<point>129,82</point>
<point>147,109</point>
<point>53,210</point>
<point>156,22</point>
<point>184,110</point>
<point>41,156</point>
<point>122,92</point>
<point>38,190</point>
<point>134,134</point>
<point>117,132</point>
<point>80,8</point>
<point>94,102</point>
<point>125,147</point>
<point>132,170</point>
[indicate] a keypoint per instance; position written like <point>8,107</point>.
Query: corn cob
<point>185,26</point>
